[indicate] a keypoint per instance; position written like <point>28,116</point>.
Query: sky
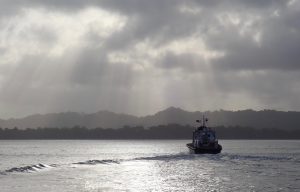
<point>139,56</point>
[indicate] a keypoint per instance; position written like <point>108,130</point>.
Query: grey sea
<point>148,165</point>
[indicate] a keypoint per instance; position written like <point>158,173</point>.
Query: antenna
<point>204,120</point>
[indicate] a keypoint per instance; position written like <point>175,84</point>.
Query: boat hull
<point>204,150</point>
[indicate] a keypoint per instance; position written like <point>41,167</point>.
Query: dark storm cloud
<point>278,47</point>
<point>136,55</point>
<point>150,19</point>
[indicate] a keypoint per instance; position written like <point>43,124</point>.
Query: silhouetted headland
<point>171,131</point>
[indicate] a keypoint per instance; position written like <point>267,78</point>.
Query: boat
<point>204,140</point>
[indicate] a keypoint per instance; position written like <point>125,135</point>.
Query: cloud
<point>138,56</point>
<point>271,43</point>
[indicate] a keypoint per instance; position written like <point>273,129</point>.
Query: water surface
<point>149,165</point>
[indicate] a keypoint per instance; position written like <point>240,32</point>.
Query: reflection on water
<point>148,166</point>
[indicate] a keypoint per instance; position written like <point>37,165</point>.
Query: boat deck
<point>204,149</point>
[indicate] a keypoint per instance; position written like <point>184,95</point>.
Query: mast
<point>204,120</point>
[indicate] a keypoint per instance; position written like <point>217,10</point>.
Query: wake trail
<point>222,158</point>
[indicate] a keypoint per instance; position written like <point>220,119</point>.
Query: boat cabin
<point>204,136</point>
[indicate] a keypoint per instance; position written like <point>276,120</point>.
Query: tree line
<point>170,131</point>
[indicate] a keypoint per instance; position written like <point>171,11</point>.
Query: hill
<point>246,118</point>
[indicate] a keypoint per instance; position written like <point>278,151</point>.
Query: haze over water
<point>150,165</point>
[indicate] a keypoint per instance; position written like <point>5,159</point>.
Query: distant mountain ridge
<point>248,118</point>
